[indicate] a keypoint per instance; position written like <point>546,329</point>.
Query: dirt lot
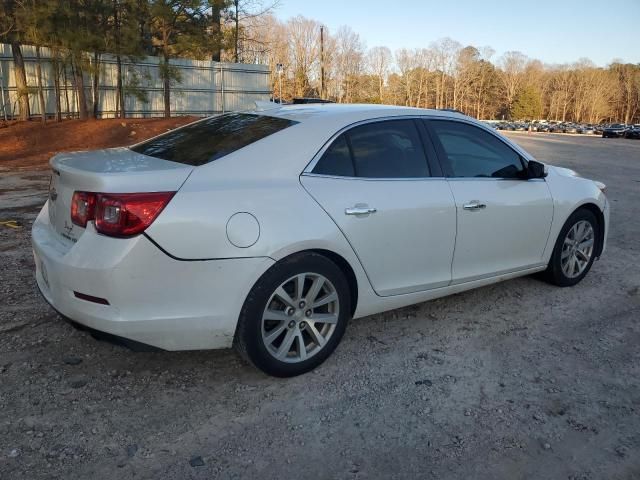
<point>29,145</point>
<point>515,380</point>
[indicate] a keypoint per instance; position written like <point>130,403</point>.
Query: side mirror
<point>535,169</point>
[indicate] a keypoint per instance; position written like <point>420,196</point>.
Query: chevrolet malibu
<point>268,230</point>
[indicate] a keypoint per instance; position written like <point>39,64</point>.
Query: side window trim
<point>427,148</point>
<point>433,159</point>
<point>347,138</point>
<point>444,159</point>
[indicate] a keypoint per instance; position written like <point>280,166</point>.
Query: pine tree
<point>527,104</point>
<point>177,27</point>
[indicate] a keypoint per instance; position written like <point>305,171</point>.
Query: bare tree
<point>304,50</point>
<point>512,75</point>
<point>379,64</point>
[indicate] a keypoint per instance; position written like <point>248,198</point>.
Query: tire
<point>267,322</point>
<point>563,251</point>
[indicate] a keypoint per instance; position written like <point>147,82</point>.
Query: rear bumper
<point>152,298</point>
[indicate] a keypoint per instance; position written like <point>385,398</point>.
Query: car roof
<point>336,114</point>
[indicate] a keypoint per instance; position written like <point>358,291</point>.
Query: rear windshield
<point>213,138</point>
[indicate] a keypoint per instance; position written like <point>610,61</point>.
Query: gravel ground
<point>515,380</point>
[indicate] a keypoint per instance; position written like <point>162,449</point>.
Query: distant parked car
<point>633,132</point>
<point>586,129</point>
<point>615,130</point>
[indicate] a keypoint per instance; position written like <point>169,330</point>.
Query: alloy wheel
<point>300,317</point>
<point>577,249</point>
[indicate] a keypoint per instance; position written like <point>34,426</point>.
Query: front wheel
<point>294,316</point>
<point>574,250</point>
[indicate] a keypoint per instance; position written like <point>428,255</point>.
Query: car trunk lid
<point>114,170</point>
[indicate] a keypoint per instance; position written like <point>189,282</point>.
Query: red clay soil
<point>30,145</point>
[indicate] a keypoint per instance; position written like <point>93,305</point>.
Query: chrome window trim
<point>308,170</point>
<point>371,179</point>
<point>492,179</point>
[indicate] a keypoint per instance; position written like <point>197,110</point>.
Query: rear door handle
<point>474,205</point>
<point>359,210</point>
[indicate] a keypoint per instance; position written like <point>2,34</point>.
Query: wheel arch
<point>346,269</point>
<point>341,262</point>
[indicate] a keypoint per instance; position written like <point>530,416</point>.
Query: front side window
<point>472,152</point>
<point>210,139</point>
<point>388,149</point>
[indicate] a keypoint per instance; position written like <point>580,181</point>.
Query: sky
<point>560,31</point>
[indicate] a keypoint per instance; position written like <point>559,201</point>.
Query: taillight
<point>123,214</point>
<point>83,207</point>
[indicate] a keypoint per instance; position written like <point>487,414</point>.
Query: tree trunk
<point>96,84</point>
<point>216,30</point>
<point>78,77</point>
<point>119,87</point>
<point>166,87</point>
<point>21,82</point>
<point>55,67</point>
<point>66,90</point>
<point>43,107</point>
<point>236,33</point>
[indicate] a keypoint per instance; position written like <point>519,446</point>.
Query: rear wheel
<point>573,253</point>
<point>295,315</point>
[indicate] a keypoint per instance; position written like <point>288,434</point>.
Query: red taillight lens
<point>127,214</point>
<point>118,214</point>
<point>83,206</point>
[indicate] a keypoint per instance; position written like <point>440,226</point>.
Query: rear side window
<point>388,149</point>
<point>336,160</point>
<point>473,152</point>
<point>212,138</point>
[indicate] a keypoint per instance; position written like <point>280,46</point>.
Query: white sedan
<point>270,229</point>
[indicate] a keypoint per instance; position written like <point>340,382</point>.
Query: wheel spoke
<point>302,350</point>
<point>284,296</point>
<point>275,333</point>
<point>299,286</point>
<point>285,346</point>
<point>572,265</point>
<point>565,254</point>
<point>279,315</point>
<point>579,231</point>
<point>325,318</point>
<point>313,292</point>
<point>585,244</point>
<point>585,257</point>
<point>316,336</point>
<point>331,297</point>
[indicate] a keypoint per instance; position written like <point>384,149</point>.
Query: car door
<point>503,218</point>
<point>391,203</point>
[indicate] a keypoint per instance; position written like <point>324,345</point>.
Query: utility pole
<point>279,69</point>
<point>321,61</point>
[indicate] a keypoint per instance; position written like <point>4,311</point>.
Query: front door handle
<point>359,210</point>
<point>474,205</point>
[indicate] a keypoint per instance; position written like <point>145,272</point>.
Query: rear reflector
<point>118,214</point>
<point>91,298</point>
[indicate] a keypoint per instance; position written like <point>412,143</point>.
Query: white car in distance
<point>270,229</point>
